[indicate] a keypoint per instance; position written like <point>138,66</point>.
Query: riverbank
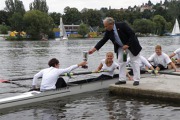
<point>160,87</point>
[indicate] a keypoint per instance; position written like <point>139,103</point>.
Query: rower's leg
<point>60,83</point>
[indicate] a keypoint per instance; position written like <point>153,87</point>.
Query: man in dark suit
<point>124,39</point>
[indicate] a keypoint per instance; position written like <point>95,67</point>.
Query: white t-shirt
<point>50,77</point>
<point>177,52</point>
<point>110,69</point>
<point>162,59</point>
<point>142,62</point>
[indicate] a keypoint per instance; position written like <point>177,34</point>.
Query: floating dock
<point>160,87</point>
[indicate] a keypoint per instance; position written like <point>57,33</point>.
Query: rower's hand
<point>92,51</point>
<point>82,63</point>
<point>125,47</point>
<point>96,71</point>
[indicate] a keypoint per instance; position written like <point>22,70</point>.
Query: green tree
<point>37,22</point>
<point>71,16</point>
<point>3,29</point>
<point>92,17</point>
<point>83,29</point>
<point>150,3</point>
<point>173,10</point>
<point>4,17</point>
<point>168,27</point>
<point>144,26</point>
<point>117,15</point>
<point>131,16</point>
<point>160,24</point>
<point>40,5</point>
<point>147,14</point>
<point>16,22</point>
<point>56,18</point>
<point>13,6</point>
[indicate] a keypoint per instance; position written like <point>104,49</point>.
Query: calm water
<point>21,59</point>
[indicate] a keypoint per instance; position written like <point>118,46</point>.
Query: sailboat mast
<point>61,28</point>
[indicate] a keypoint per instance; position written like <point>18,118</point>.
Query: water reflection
<point>96,105</point>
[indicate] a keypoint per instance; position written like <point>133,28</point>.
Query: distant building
<point>71,29</point>
<point>145,7</point>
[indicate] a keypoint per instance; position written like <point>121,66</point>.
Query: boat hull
<point>36,96</point>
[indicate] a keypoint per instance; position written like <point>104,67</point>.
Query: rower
<point>50,76</point>
<point>161,61</point>
<point>108,65</point>
<point>177,54</point>
<point>143,64</point>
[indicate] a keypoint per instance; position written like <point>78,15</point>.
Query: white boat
<point>37,96</point>
<point>176,30</point>
<point>63,35</point>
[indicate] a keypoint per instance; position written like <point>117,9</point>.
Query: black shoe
<point>136,83</point>
<point>120,82</point>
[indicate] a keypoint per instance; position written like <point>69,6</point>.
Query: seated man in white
<point>177,54</point>
<point>50,76</point>
<point>161,61</point>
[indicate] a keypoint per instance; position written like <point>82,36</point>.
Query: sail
<point>61,28</point>
<point>176,29</point>
<point>63,35</point>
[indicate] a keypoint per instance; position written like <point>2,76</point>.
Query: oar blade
<point>4,81</point>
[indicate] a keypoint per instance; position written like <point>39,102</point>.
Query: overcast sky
<point>59,5</point>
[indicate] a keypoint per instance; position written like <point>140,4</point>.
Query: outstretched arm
<point>172,55</point>
<point>100,43</point>
<point>69,69</point>
<point>173,66</point>
<point>99,68</point>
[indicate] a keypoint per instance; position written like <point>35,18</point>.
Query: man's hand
<point>92,51</point>
<point>125,47</point>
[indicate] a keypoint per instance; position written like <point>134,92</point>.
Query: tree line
<point>157,20</point>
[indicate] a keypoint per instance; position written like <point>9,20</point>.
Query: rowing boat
<point>75,87</point>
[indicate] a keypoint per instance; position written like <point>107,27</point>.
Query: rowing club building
<point>70,29</point>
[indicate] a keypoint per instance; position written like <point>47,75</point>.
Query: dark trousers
<point>103,77</point>
<point>161,67</point>
<point>60,83</point>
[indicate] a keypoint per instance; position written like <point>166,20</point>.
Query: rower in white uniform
<point>50,76</point>
<point>109,66</point>
<point>161,61</point>
<point>177,54</point>
<point>143,63</point>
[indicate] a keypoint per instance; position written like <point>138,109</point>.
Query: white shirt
<point>177,52</point>
<point>50,77</point>
<point>110,69</point>
<point>162,59</point>
<point>143,62</point>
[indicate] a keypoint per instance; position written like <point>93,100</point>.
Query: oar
<point>168,73</point>
<point>162,72</point>
<point>66,74</point>
<point>81,73</point>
